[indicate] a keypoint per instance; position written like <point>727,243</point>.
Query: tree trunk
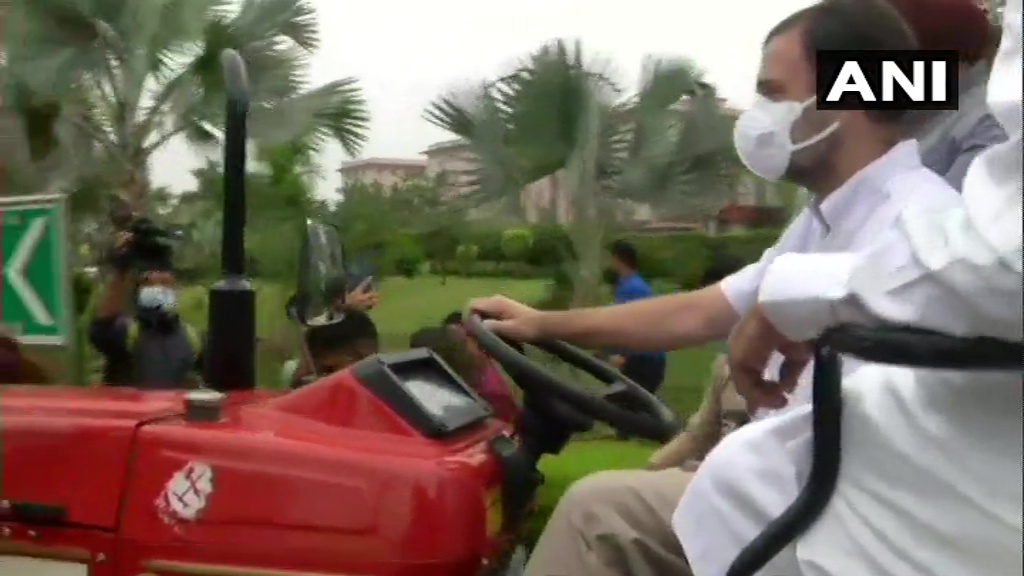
<point>136,188</point>
<point>586,230</point>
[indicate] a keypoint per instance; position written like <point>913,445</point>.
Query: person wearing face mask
<point>152,347</point>
<point>864,172</point>
<point>951,139</point>
<point>931,459</point>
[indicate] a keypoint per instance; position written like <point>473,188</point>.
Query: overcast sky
<point>406,52</point>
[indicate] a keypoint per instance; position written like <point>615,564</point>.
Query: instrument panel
<point>421,388</point>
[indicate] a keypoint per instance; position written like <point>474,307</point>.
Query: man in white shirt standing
<point>864,175</point>
<point>931,475</point>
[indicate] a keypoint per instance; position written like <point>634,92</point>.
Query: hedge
<point>491,269</point>
<point>686,260</point>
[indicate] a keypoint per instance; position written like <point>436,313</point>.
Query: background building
<point>387,172</point>
<point>752,202</point>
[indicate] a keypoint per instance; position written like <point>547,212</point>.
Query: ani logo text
<point>887,80</point>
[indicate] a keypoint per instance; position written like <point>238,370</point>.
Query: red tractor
<point>393,467</point>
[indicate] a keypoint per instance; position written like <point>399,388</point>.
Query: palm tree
<point>556,116</point>
<point>280,198</point>
<point>121,78</point>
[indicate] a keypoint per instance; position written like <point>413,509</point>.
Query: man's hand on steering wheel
<point>652,419</point>
<point>508,318</point>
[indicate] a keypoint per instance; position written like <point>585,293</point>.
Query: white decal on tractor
<point>186,494</point>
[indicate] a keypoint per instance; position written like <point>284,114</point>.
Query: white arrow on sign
<point>14,272</point>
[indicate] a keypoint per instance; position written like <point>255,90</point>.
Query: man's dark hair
<point>624,252</point>
<point>453,319</point>
<point>353,328</point>
<point>447,345</point>
<point>850,25</point>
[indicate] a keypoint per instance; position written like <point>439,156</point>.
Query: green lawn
<point>406,306</point>
<point>409,304</point>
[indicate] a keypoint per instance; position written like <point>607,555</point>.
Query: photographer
<point>151,348</point>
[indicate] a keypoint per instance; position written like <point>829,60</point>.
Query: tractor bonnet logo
<point>186,494</point>
<point>887,80</point>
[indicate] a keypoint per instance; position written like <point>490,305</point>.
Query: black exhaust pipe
<point>230,360</point>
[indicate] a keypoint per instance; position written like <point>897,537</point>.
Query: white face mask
<point>157,297</point>
<point>763,136</point>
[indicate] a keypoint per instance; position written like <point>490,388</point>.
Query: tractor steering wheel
<point>653,420</point>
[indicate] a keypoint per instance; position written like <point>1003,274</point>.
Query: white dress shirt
<point>851,218</point>
<point>931,475</point>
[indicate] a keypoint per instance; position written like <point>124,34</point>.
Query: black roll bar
<point>897,345</point>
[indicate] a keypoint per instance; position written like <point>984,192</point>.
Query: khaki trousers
<point>615,523</point>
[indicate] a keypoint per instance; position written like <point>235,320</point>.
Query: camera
<point>151,246</point>
<point>151,243</point>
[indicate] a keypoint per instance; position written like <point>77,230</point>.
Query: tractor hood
<point>66,450</point>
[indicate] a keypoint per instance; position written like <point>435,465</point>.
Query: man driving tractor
<point>931,475</point>
<point>865,175</point>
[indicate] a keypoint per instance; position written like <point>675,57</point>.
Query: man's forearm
<point>703,429</point>
<point>961,284</point>
<point>694,443</point>
<point>115,291</point>
<point>652,324</point>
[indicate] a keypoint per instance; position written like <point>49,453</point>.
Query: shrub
<point>465,256</point>
<point>488,243</point>
<point>678,258</point>
<point>405,256</point>
<point>683,260</point>
<point>744,247</point>
<point>486,269</point>
<point>559,291</point>
<point>515,244</point>
<point>439,244</point>
<point>551,246</point>
<point>690,260</point>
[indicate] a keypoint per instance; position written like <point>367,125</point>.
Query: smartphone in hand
<point>367,285</point>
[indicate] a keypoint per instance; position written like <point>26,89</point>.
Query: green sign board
<point>35,295</point>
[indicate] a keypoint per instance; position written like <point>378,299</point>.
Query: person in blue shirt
<point>645,368</point>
